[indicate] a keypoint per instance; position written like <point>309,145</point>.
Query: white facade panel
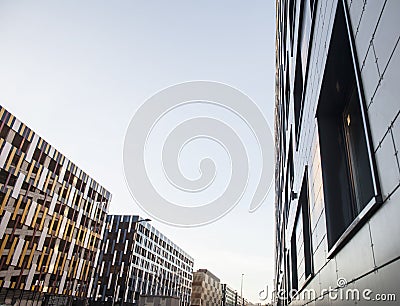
<point>4,154</point>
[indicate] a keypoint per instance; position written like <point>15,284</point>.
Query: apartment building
<point>206,290</point>
<point>51,220</point>
<point>229,296</point>
<point>137,260</point>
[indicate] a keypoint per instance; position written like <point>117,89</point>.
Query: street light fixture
<point>241,290</point>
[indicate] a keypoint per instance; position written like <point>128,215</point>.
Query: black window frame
<point>301,79</point>
<point>302,215</point>
<point>360,216</point>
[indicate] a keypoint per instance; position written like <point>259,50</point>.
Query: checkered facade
<point>206,290</point>
<point>51,218</point>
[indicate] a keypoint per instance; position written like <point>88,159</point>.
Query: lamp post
<point>130,261</point>
<point>241,291</point>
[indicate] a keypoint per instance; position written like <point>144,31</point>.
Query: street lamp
<point>130,261</point>
<point>241,290</point>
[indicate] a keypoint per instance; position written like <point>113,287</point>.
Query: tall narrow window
<point>287,90</point>
<point>305,208</point>
<point>298,93</point>
<point>290,161</point>
<point>291,13</point>
<point>301,240</point>
<point>289,178</point>
<point>303,41</point>
<point>288,277</point>
<point>293,255</point>
<point>345,158</point>
<point>304,34</point>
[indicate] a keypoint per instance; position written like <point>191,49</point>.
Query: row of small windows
<point>153,241</point>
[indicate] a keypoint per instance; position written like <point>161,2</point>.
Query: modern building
<point>206,289</point>
<point>51,220</point>
<point>137,259</point>
<point>337,134</point>
<point>229,296</point>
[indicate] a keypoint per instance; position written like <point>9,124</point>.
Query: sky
<point>76,72</point>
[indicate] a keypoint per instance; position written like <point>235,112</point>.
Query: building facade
<point>229,296</point>
<point>137,259</point>
<point>206,289</point>
<point>337,134</point>
<point>51,220</point>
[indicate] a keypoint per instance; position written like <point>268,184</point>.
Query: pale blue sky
<point>76,71</point>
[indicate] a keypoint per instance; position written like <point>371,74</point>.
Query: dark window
<point>290,162</point>
<point>304,33</point>
<point>52,165</point>
<point>25,145</point>
<point>289,179</point>
<point>17,141</point>
<point>298,93</point>
<point>37,154</point>
<point>287,91</point>
<point>286,203</point>
<point>293,253</point>
<point>288,277</point>
<point>345,159</point>
<point>301,252</point>
<point>4,131</point>
<point>312,5</point>
<point>292,10</point>
<point>3,176</point>
<point>303,42</point>
<point>304,203</point>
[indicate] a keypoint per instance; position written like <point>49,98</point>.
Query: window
<point>312,5</point>
<point>289,179</point>
<point>292,8</point>
<point>303,41</point>
<point>287,91</point>
<point>343,135</point>
<point>301,247</point>
<point>304,204</point>
<point>290,162</point>
<point>298,93</point>
<point>304,33</point>
<point>293,253</point>
<point>4,131</point>
<point>288,278</point>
